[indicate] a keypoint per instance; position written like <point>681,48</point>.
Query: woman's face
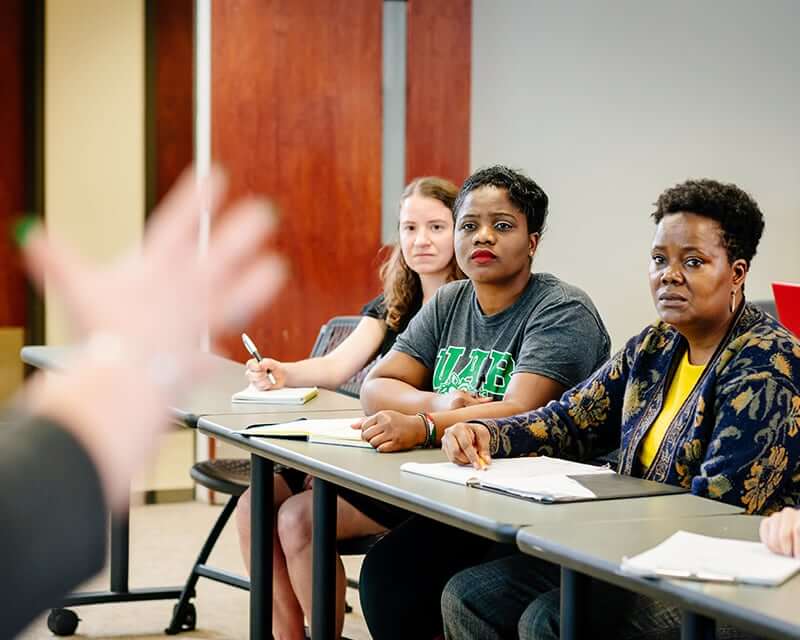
<point>691,278</point>
<point>492,240</point>
<point>426,234</point>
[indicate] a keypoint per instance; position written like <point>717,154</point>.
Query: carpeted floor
<point>165,540</point>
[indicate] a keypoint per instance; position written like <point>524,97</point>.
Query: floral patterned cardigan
<point>734,439</point>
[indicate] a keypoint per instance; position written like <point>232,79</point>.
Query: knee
<point>541,619</point>
<point>456,597</point>
<point>295,524</point>
<point>243,512</point>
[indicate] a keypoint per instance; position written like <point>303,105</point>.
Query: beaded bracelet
<point>430,430</point>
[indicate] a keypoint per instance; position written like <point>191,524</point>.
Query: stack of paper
<point>332,431</point>
<point>540,478</point>
<point>287,395</point>
<point>696,557</point>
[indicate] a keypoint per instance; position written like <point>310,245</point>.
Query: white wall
<point>606,104</point>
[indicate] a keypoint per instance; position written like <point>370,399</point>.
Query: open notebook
<point>544,479</point>
<point>691,556</point>
<point>332,431</point>
<point>287,395</point>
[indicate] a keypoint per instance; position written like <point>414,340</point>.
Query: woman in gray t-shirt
<point>492,345</point>
<point>502,342</point>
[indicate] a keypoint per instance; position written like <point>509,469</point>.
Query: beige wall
<point>94,129</point>
<point>608,103</point>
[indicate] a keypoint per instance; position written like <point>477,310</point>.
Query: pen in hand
<point>253,351</point>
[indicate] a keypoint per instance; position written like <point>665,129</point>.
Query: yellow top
<point>686,376</point>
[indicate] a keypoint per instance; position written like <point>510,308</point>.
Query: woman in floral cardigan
<point>707,398</point>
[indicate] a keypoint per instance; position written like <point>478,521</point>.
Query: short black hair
<point>524,193</point>
<point>736,212</point>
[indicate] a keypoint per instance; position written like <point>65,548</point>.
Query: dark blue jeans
<point>518,596</point>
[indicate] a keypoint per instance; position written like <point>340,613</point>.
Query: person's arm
<point>587,417</point>
<point>54,518</point>
<point>398,431</point>
<point>329,371</point>
<point>752,456</point>
<point>397,382</point>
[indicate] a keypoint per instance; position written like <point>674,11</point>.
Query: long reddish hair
<point>401,285</point>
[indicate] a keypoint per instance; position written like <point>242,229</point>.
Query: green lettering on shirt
<point>445,378</point>
<point>499,373</point>
<point>469,374</point>
<point>445,363</point>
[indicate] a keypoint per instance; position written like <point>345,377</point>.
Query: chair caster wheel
<point>188,623</point>
<point>62,622</point>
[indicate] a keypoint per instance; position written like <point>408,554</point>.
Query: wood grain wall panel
<point>173,103</point>
<point>297,115</point>
<point>439,36</point>
<point>13,156</point>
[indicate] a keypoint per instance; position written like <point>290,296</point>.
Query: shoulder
<point>375,308</point>
<point>760,346</point>
<point>548,290</point>
<point>549,294</point>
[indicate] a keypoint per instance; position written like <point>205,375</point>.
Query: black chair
<point>231,476</point>
<point>767,306</point>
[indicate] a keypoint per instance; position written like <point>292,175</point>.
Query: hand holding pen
<point>467,443</point>
<point>263,373</point>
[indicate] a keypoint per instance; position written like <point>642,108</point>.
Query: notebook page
<point>501,470</point>
<point>699,557</point>
<point>287,395</point>
<point>333,428</point>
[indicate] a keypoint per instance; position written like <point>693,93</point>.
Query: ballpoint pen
<point>253,351</point>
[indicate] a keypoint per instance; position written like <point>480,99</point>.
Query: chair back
<point>767,306</point>
<point>331,334</point>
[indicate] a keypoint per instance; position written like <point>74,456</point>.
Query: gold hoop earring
<point>733,300</point>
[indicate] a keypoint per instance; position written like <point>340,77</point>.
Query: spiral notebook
<point>544,479</point>
<point>331,431</point>
<point>287,395</point>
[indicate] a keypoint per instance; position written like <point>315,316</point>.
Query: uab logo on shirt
<point>499,367</point>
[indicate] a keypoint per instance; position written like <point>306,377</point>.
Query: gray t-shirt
<point>553,330</point>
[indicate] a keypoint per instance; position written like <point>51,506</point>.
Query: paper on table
<point>540,478</point>
<point>547,487</point>
<point>697,557</point>
<point>330,431</point>
<point>287,395</point>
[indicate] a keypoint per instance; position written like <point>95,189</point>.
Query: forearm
<point>328,373</point>
<point>379,394</point>
<point>502,409</point>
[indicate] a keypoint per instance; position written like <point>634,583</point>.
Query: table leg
<point>119,543</point>
<point>697,627</point>
<point>323,610</point>
<point>574,604</point>
<point>261,525</point>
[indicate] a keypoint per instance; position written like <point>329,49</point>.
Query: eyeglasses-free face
<point>492,240</point>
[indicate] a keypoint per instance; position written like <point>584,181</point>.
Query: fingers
<point>238,239</point>
<point>258,380</point>
<point>459,445</point>
<point>785,533</point>
<point>232,305</point>
<point>482,442</point>
<point>466,441</point>
<point>174,224</point>
<point>67,273</point>
<point>781,532</point>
